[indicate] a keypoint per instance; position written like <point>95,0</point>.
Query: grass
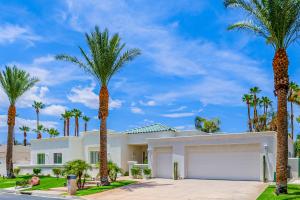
<point>98,189</point>
<point>46,182</point>
<point>293,193</point>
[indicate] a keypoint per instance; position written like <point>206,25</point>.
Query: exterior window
<point>57,158</point>
<point>40,158</point>
<point>94,157</point>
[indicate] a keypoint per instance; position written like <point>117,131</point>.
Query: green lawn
<point>293,193</point>
<point>96,189</point>
<point>46,182</point>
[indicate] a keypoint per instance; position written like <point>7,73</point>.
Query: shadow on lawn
<point>151,184</point>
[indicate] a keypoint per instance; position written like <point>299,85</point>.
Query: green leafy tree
<point>57,172</point>
<point>278,23</point>
<point>76,114</point>
<point>106,57</point>
<point>38,106</point>
<point>86,119</point>
<point>208,126</point>
<point>15,83</point>
<point>78,168</point>
<point>36,171</point>
<point>293,98</point>
<point>25,130</point>
<point>17,171</point>
<point>248,98</point>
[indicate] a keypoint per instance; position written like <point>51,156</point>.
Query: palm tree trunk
<point>68,127</point>
<point>10,143</point>
<point>249,118</point>
<point>77,127</point>
<point>103,114</point>
<point>292,120</point>
<point>85,126</point>
<point>255,114</point>
<point>281,82</point>
<point>64,127</point>
<point>39,136</point>
<point>25,140</point>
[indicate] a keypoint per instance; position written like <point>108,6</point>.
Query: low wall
<point>294,163</point>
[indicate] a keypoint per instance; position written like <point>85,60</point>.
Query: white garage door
<point>228,162</point>
<point>163,158</point>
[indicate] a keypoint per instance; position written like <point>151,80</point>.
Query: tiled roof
<point>150,129</point>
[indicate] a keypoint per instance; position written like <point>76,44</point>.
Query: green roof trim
<point>150,129</point>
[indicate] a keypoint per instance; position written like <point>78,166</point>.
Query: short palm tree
<point>248,98</point>
<point>15,83</point>
<point>103,60</point>
<point>254,91</point>
<point>293,98</point>
<point>25,130</point>
<point>52,132</point>
<point>76,114</point>
<point>86,119</point>
<point>278,22</point>
<point>39,130</point>
<point>38,106</point>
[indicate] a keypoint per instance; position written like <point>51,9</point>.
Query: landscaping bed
<point>97,189</point>
<point>269,194</point>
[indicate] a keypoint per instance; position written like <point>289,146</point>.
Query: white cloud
<point>178,115</point>
<point>10,33</point>
<point>87,97</point>
<point>178,109</point>
<point>185,127</point>
<point>137,110</point>
<point>54,110</point>
<point>26,122</point>
<point>148,103</point>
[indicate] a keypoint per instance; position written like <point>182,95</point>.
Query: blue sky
<point>190,64</point>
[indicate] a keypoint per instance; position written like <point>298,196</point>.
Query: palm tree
<point>39,131</point>
<point>86,119</point>
<point>208,126</point>
<point>64,117</point>
<point>248,98</point>
<point>278,23</point>
<point>15,83</point>
<point>68,115</point>
<point>265,102</point>
<point>25,129</point>
<point>254,91</point>
<point>52,132</point>
<point>103,60</point>
<point>76,114</point>
<point>293,98</point>
<point>38,106</point>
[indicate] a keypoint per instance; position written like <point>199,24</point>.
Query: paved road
<point>187,189</point>
<point>23,197</point>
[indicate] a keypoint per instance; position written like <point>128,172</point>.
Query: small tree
<point>57,172</point>
<point>113,170</point>
<point>78,168</point>
<point>36,171</point>
<point>17,171</point>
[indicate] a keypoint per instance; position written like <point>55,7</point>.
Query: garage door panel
<point>231,162</point>
<point>163,162</point>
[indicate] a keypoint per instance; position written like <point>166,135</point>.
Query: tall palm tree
<point>265,102</point>
<point>25,130</point>
<point>68,115</point>
<point>15,83</point>
<point>248,98</point>
<point>86,119</point>
<point>278,22</point>
<point>38,106</point>
<point>293,98</point>
<point>254,91</point>
<point>64,117</point>
<point>76,114</point>
<point>103,60</point>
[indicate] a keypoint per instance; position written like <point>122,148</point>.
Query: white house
<point>241,156</point>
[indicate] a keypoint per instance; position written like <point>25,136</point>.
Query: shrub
<point>17,171</point>
<point>36,171</point>
<point>126,173</point>
<point>22,183</point>
<point>57,172</point>
<point>78,168</point>
<point>136,172</point>
<point>113,170</point>
<point>147,171</point>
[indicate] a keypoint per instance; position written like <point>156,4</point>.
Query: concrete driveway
<point>187,189</point>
